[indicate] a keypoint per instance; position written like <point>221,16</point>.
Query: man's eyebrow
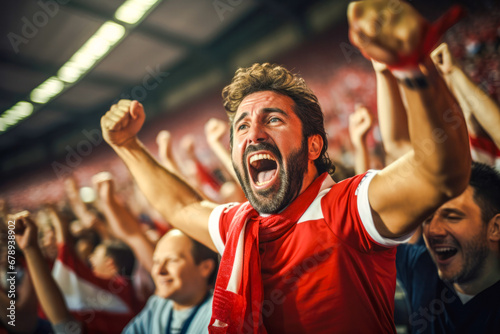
<point>264,110</point>
<point>278,110</point>
<point>242,116</point>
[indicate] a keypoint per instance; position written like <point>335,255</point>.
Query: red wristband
<point>432,36</point>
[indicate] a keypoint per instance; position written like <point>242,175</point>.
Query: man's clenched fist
<point>122,122</point>
<point>384,30</point>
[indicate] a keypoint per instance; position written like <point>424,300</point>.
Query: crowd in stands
<point>103,260</point>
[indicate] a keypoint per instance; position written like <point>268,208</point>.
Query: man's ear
<point>494,228</point>
<point>206,267</point>
<point>314,146</point>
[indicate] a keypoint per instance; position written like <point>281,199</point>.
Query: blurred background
<point>63,63</point>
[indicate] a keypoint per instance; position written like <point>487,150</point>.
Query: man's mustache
<point>262,147</point>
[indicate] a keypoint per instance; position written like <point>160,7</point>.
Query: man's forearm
<point>126,227</point>
<point>392,118</point>
<point>163,189</point>
<point>482,106</point>
<point>49,295</point>
<point>173,198</point>
<point>438,135</point>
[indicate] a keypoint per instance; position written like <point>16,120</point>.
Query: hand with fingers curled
<point>444,61</point>
<point>360,122</point>
<point>26,230</point>
<point>385,29</point>
<point>394,33</point>
<point>215,130</point>
<point>188,144</point>
<point>104,186</point>
<point>122,122</point>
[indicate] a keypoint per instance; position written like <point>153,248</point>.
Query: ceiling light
<point>91,52</point>
<point>47,90</point>
<point>98,46</point>
<point>18,112</point>
<point>133,10</point>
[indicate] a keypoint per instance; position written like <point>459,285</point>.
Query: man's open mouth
<point>263,169</point>
<point>444,253</point>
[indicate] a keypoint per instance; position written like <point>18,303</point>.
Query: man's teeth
<point>260,157</point>
<point>444,249</point>
<point>262,183</point>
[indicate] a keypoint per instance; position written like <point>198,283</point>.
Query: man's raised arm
<point>179,204</point>
<point>438,166</point>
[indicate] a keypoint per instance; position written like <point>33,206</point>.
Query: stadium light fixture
<point>133,10</point>
<point>96,48</point>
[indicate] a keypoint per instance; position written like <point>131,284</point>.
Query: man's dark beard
<point>291,178</point>
<point>475,253</point>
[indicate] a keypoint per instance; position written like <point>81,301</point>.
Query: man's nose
<point>257,134</point>
<point>436,227</point>
<point>161,269</point>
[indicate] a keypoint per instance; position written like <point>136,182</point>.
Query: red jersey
<point>334,273</point>
<point>103,306</point>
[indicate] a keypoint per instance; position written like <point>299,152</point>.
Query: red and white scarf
<point>239,292</point>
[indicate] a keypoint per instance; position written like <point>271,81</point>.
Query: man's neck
<point>309,177</point>
<point>191,302</point>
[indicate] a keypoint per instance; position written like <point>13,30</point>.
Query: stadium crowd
<point>140,252</point>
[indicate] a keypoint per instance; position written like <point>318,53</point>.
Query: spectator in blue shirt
<point>453,281</point>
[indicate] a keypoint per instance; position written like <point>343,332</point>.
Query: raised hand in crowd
<point>215,129</point>
<point>50,297</point>
<point>88,218</point>
<point>392,118</point>
<point>122,122</point>
<point>19,288</point>
<point>439,174</point>
<point>169,194</point>
<point>482,112</point>
<point>165,151</point>
<point>122,223</point>
<point>360,123</point>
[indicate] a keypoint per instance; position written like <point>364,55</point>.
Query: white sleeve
<point>213,226</point>
<point>365,213</point>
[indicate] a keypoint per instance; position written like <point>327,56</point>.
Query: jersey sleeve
<point>347,210</point>
<point>219,222</point>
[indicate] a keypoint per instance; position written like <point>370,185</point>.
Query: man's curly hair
<point>276,78</point>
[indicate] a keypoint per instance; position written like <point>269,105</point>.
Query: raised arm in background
<point>178,203</point>
<point>392,119</point>
<point>25,308</point>
<point>87,218</point>
<point>165,152</point>
<point>61,226</point>
<point>49,295</point>
<point>215,129</point>
<point>360,122</point>
<point>475,103</point>
<point>437,168</point>
<point>122,222</point>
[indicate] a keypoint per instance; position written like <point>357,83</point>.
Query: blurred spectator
<point>184,272</point>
